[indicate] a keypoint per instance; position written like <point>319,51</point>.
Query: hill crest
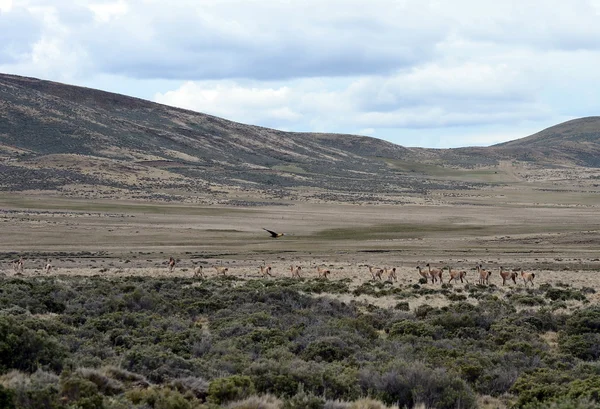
<point>56,136</point>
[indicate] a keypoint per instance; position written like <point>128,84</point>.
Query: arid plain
<point>541,221</point>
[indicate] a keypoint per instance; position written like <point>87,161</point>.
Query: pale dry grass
<point>554,234</point>
<point>257,402</point>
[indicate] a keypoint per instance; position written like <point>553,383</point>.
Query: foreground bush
<point>228,389</point>
<point>141,342</point>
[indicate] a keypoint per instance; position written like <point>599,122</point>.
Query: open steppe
<point>539,223</point>
<point>107,188</point>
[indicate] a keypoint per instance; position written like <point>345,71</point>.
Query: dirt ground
<point>550,228</point>
<point>546,223</point>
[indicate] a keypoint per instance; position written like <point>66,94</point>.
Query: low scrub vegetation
<point>132,342</point>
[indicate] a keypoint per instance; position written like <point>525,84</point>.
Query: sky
<point>436,74</point>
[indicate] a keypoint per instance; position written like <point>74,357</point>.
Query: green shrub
<point>79,392</point>
<point>423,311</point>
<point>106,385</point>
<point>228,389</point>
<point>7,398</point>
<point>39,390</point>
<point>303,400</point>
<point>587,320</point>
<point>540,385</point>
<point>406,384</point>
<point>328,349</point>
<point>160,398</point>
<point>527,300</point>
<point>25,348</point>
<point>414,328</point>
<point>556,294</point>
<point>585,346</point>
<point>564,403</point>
<point>198,387</point>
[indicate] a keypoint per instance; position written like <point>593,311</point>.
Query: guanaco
<point>295,271</point>
<point>376,272</point>
<point>221,270</point>
<point>484,275</point>
<point>508,275</point>
<point>48,267</point>
<point>323,272</point>
<point>265,271</point>
<point>171,264</point>
<point>18,265</point>
<point>457,275</point>
<point>198,272</point>
<point>527,277</point>
<point>391,274</point>
<point>435,274</point>
<point>423,274</point>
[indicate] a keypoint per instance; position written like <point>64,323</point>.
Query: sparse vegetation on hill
<point>65,138</point>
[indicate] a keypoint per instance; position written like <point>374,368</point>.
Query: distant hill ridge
<point>573,142</point>
<point>158,143</point>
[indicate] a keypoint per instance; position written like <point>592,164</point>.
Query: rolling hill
<point>572,142</point>
<point>80,141</point>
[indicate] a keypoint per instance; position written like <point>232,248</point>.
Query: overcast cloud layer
<point>417,73</point>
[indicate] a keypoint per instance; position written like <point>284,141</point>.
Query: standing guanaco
<point>527,277</point>
<point>198,272</point>
<point>484,275</point>
<point>435,274</point>
<point>457,275</point>
<point>508,275</point>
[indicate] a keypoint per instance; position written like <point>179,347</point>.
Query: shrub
<point>563,403</point>
<point>79,392</point>
<point>35,391</point>
<point>556,294</point>
<point>415,328</point>
<point>26,349</point>
<point>407,384</point>
<point>328,349</point>
<point>585,346</point>
<point>160,398</point>
<point>587,320</point>
<point>129,378</point>
<point>422,311</point>
<point>198,387</point>
<point>7,397</point>
<point>539,385</point>
<point>303,400</point>
<point>527,300</point>
<point>228,389</point>
<point>105,385</point>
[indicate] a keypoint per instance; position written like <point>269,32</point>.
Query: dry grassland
<point>553,232</point>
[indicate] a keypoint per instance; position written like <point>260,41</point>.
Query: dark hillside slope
<point>54,135</point>
<point>576,142</point>
<point>46,125</point>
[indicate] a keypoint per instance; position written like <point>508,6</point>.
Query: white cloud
<point>366,131</point>
<point>104,12</point>
<point>388,67</point>
<point>231,100</point>
<point>5,6</point>
<point>54,54</point>
<point>426,97</point>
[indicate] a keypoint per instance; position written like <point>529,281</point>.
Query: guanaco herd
<point>434,275</point>
<point>378,273</point>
